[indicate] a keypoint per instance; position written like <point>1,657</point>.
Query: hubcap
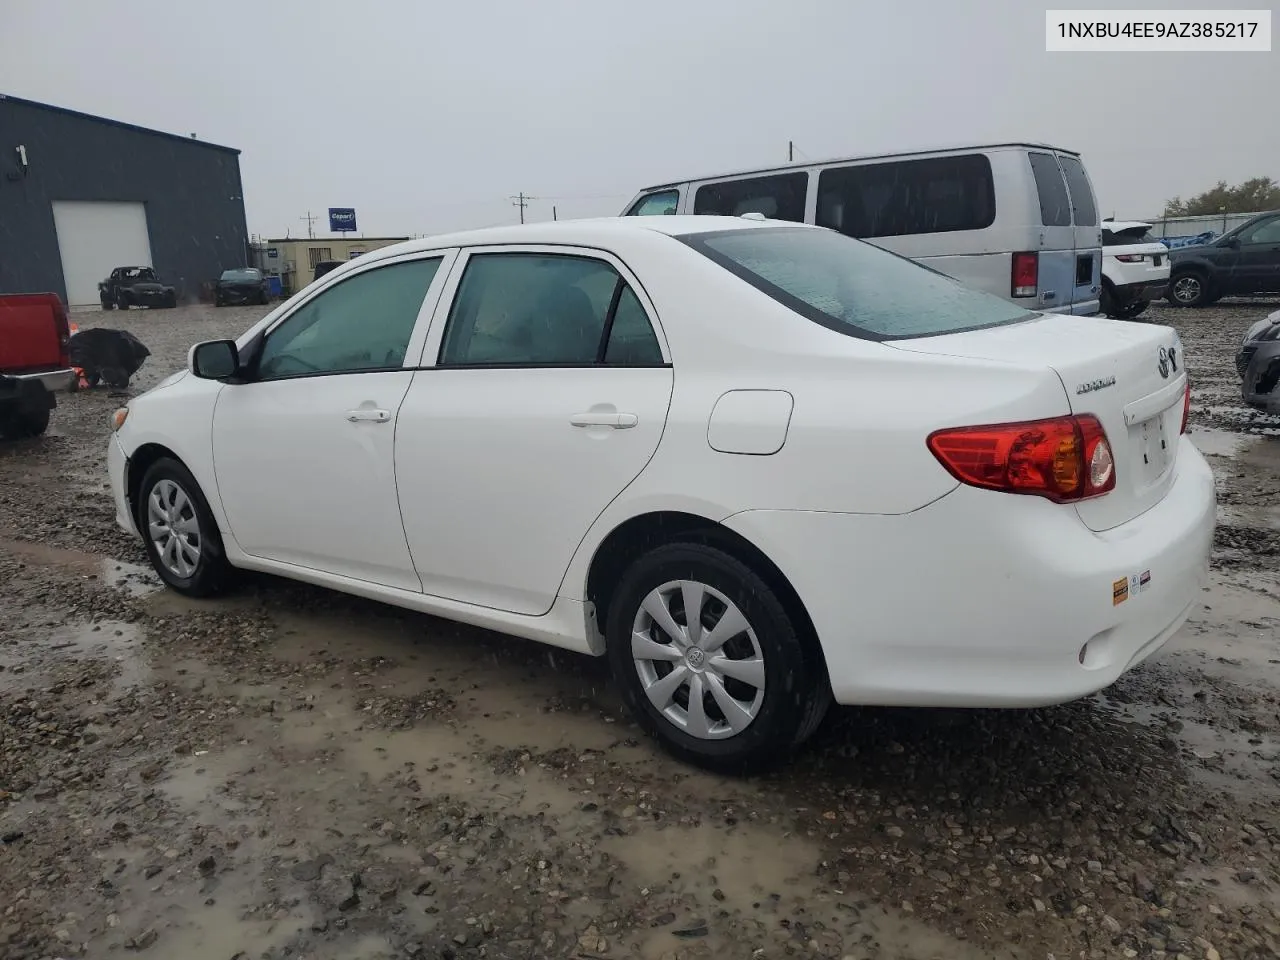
<point>173,528</point>
<point>1186,289</point>
<point>698,659</point>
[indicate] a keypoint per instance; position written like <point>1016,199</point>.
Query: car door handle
<point>619,421</point>
<point>368,415</point>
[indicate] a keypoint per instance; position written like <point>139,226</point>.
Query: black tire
<point>211,574</point>
<point>171,301</point>
<point>1190,289</point>
<point>1107,301</point>
<point>122,301</point>
<point>1131,311</point>
<point>26,420</point>
<point>796,692</point>
<point>108,305</point>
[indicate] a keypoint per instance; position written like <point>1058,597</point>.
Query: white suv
<point>1135,268</point>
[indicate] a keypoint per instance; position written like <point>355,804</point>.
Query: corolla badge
<point>1093,385</point>
<point>1167,361</point>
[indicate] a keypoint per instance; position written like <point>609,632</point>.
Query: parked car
<point>1245,260</point>
<point>1016,220</point>
<point>325,266</point>
<point>242,285</point>
<point>757,465</point>
<point>1135,269</point>
<point>135,287</point>
<point>34,366</point>
<point>1258,361</point>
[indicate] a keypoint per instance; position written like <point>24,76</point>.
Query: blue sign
<point>273,252</point>
<point>342,219</point>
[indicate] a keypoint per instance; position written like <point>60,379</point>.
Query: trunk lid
<point>1129,375</point>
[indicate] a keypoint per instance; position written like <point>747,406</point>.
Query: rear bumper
<point>51,380</point>
<point>985,599</point>
<point>35,389</point>
<point>1143,291</point>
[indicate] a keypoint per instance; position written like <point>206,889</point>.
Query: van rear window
<point>902,197</point>
<point>1055,207</point>
<point>1086,211</point>
<point>778,197</point>
<point>850,286</point>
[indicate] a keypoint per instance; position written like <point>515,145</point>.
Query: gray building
<point>80,195</point>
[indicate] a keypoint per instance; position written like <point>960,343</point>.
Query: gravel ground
<point>294,773</point>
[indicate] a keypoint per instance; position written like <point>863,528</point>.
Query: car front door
<point>303,451</point>
<point>542,397</point>
<point>1257,268</point>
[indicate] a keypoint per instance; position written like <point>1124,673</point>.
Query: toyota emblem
<point>1164,363</point>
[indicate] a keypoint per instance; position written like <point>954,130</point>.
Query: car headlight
<point>118,418</point>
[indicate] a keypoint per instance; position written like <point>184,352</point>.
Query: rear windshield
<point>1122,238</point>
<point>851,286</point>
<point>244,274</point>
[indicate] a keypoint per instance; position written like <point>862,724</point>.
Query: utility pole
<point>553,212</point>
<point>521,201</point>
<point>791,150</point>
<point>311,233</point>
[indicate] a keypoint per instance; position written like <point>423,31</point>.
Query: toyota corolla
<point>759,466</point>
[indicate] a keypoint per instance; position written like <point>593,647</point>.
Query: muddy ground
<point>295,773</point>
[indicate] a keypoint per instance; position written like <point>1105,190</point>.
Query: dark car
<point>323,267</point>
<point>1245,260</point>
<point>1258,361</point>
<point>135,287</point>
<point>241,285</point>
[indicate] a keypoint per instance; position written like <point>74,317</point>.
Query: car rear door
<point>1257,268</point>
<point>1055,287</point>
<point>541,397</point>
<point>1086,237</point>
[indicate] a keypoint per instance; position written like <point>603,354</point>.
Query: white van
<point>1014,219</point>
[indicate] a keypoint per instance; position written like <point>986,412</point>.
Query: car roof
<point>601,231</point>
<point>802,165</point>
<point>1114,225</point>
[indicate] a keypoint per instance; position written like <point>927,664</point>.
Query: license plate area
<point>1154,450</point>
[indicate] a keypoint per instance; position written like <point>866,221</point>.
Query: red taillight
<point>63,325</point>
<point>1026,274</point>
<point>1130,257</point>
<point>1063,459</point>
<point>1186,406</point>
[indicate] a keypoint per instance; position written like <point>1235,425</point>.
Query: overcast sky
<point>427,116</point>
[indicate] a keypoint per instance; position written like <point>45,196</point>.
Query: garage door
<point>96,237</point>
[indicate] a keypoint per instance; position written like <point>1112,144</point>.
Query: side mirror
<point>214,359</point>
<point>1232,242</point>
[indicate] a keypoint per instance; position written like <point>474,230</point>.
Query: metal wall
<point>191,189</point>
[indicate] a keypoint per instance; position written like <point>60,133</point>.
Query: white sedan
<point>757,465</point>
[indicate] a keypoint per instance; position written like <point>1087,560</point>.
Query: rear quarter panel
<point>29,333</point>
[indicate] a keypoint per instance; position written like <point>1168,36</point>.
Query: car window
<point>544,310</point>
<point>903,197</point>
<point>362,323</point>
<point>1266,232</point>
<point>655,204</point>
<point>1082,204</point>
<point>631,338</point>
<point>778,197</point>
<point>1055,207</point>
<point>851,286</point>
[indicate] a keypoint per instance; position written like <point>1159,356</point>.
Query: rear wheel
<point>179,532</point>
<point>28,414</point>
<point>1190,289</point>
<point>710,662</point>
<point>1107,301</point>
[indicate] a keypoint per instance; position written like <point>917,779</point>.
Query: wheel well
<point>641,534</point>
<point>139,464</point>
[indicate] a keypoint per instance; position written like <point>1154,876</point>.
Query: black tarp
<point>112,356</point>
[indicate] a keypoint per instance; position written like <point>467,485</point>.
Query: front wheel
<point>107,304</point>
<point>1190,290</point>
<point>710,662</point>
<point>122,302</point>
<point>179,532</point>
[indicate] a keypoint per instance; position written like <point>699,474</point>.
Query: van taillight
<point>1026,274</point>
<point>1063,459</point>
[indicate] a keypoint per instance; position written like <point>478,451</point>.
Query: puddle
<point>1220,443</point>
<point>133,578</point>
<point>112,640</point>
